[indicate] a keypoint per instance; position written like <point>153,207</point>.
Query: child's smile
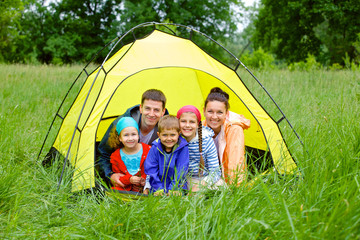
<point>188,125</point>
<point>169,137</point>
<point>129,137</point>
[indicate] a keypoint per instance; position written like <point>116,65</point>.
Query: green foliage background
<point>294,29</point>
<point>322,105</point>
<point>65,31</point>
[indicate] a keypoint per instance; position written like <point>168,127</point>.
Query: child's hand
<point>159,193</point>
<point>195,187</point>
<point>136,180</point>
<point>174,193</point>
<point>142,182</point>
<point>146,191</point>
<point>137,188</point>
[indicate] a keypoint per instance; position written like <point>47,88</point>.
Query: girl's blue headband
<point>125,122</point>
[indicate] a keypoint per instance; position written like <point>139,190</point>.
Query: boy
<point>168,159</point>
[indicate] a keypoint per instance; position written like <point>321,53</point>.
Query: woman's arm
<point>235,154</point>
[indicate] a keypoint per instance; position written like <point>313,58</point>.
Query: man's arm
<point>105,152</point>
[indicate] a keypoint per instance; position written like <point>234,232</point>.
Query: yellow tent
<point>179,68</point>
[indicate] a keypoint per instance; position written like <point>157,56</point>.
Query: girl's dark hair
<point>202,163</point>
<point>216,94</point>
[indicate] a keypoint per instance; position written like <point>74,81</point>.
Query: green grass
<point>323,106</point>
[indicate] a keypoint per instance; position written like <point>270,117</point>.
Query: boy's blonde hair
<point>168,122</point>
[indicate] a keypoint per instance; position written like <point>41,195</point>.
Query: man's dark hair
<point>155,95</point>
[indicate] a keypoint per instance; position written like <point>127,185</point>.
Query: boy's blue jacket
<point>168,174</point>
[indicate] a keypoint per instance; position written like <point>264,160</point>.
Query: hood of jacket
<point>236,119</point>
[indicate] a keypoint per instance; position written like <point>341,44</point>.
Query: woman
<point>229,135</point>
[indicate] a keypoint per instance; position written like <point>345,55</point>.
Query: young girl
<point>203,159</point>
<point>129,156</point>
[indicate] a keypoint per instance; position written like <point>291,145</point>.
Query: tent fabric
<point>185,73</point>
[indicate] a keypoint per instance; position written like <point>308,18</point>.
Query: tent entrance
<point>181,86</point>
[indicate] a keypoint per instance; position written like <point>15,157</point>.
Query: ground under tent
<point>185,73</point>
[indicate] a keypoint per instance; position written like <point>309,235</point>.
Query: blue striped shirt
<point>212,171</point>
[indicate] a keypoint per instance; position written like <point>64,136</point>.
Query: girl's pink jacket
<point>232,147</point>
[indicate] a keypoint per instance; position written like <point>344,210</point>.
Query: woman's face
<point>188,125</point>
<point>215,114</point>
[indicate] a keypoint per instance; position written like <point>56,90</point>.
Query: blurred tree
<point>294,29</point>
<point>216,18</point>
<point>67,31</point>
<point>340,28</point>
<point>9,23</point>
<point>213,17</point>
<point>36,25</point>
<point>85,27</point>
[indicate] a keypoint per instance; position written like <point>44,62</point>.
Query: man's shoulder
<point>133,112</point>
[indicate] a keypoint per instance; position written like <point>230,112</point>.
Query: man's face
<point>151,112</point>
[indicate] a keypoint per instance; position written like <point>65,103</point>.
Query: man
<point>147,115</point>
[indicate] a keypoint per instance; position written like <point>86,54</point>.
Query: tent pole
<point>57,114</point>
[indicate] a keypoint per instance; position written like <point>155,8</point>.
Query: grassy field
<point>323,106</point>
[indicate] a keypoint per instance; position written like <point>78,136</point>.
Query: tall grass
<point>323,106</point>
